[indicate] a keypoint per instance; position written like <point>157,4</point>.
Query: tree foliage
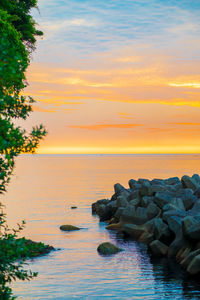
<point>17,41</point>
<point>21,19</point>
<point>14,60</point>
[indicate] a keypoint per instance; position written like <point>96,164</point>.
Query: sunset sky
<point>120,76</point>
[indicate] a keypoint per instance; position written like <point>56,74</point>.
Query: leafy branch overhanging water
<point>18,35</point>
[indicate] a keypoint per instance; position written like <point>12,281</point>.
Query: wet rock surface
<point>68,227</point>
<point>107,248</point>
<point>163,213</point>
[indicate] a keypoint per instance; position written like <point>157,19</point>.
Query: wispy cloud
<point>124,115</point>
<point>105,126</point>
<point>60,25</point>
<point>187,123</point>
<point>40,109</point>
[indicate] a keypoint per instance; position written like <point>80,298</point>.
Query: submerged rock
<point>69,227</point>
<point>108,248</point>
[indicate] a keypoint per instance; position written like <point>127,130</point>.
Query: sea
<point>42,191</point>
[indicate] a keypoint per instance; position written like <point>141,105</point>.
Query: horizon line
<point>110,153</point>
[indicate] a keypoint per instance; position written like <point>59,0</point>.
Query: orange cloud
<point>187,123</point>
<point>159,130</point>
<point>39,109</point>
<point>126,115</point>
<point>148,82</point>
<point>105,126</point>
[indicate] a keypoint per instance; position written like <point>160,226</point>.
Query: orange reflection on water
<point>45,187</point>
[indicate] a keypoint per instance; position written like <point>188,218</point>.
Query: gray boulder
<point>188,259</point>
<point>142,180</point>
<point>174,223</point>
<point>134,194</point>
<point>134,231</point>
<point>195,210</point>
<point>161,230</point>
<point>158,188</point>
<point>146,189</point>
<point>172,180</point>
<point>162,198</point>
<point>178,243</point>
<point>188,197</point>
<point>140,216</point>
<point>104,212</point>
<point>188,225</point>
<point>158,248</point>
<point>157,181</point>
<point>96,205</point>
<point>128,214</point>
<point>168,207</point>
<point>177,202</point>
<point>122,200</point>
<point>146,200</point>
<point>152,210</point>
<point>112,206</point>
<point>118,188</point>
<point>189,182</point>
<point>173,212</point>
<point>171,188</point>
<point>196,177</point>
<point>191,228</point>
<point>146,238</point>
<point>135,201</point>
<point>132,184</point>
<point>178,186</point>
<point>194,266</point>
<point>118,213</point>
<point>197,193</point>
<point>150,226</point>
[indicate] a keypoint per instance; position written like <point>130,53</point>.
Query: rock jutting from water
<point>162,213</point>
<point>107,248</point>
<point>68,227</point>
<point>74,207</point>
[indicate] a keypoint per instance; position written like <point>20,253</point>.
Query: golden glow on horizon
<point>119,150</point>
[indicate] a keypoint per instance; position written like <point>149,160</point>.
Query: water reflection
<point>167,271</point>
<point>43,191</point>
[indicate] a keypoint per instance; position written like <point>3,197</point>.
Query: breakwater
<point>162,213</point>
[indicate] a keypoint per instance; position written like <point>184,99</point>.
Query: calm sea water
<point>42,192</point>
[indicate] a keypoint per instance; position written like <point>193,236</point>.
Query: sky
<point>117,76</point>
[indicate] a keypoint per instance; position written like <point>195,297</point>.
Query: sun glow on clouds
<point>105,62</point>
<point>195,85</point>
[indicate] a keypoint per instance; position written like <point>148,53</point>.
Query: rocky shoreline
<point>162,213</point>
